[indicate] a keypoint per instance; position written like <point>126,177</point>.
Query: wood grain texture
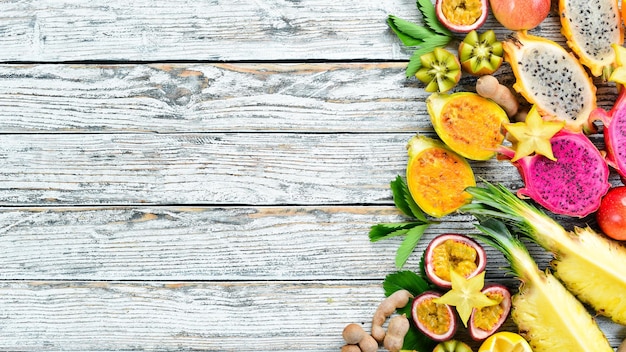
<point>248,168</point>
<point>164,98</point>
<point>202,175</point>
<point>211,169</point>
<point>216,30</point>
<point>206,243</point>
<point>174,316</point>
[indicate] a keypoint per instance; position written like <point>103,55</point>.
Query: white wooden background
<point>202,174</point>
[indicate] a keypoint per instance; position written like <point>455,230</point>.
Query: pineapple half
<point>589,264</point>
<point>546,313</point>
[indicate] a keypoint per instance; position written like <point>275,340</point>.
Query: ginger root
<point>397,329</point>
<point>488,87</point>
<point>389,305</point>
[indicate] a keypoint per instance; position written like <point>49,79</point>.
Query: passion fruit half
<point>462,16</point>
<point>435,320</point>
<point>485,321</point>
<point>453,251</point>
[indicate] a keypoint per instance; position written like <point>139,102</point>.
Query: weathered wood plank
<point>325,97</point>
<point>205,168</point>
<point>216,316</point>
<point>246,168</point>
<point>144,30</point>
<point>211,98</point>
<point>204,243</point>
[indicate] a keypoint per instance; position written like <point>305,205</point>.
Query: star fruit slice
<point>466,295</point>
<point>533,135</point>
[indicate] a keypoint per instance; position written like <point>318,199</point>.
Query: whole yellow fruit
<point>505,341</point>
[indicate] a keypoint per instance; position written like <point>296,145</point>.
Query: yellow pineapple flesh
<point>589,264</point>
<point>548,316</point>
<point>552,319</point>
<point>593,269</point>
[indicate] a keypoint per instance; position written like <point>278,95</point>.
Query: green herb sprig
<point>424,38</point>
<point>412,230</point>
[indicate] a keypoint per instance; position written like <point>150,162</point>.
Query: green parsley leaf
<point>416,211</point>
<point>388,230</point>
<point>408,245</point>
<point>405,280</point>
<point>430,17</point>
<point>404,38</point>
<point>399,191</point>
<point>415,340</point>
<point>409,33</point>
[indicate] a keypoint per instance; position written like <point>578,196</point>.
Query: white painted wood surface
<point>202,175</point>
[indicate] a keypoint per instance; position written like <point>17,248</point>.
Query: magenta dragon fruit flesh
<point>572,185</point>
<point>614,132</point>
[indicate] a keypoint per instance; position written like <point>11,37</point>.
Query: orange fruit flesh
<point>486,317</point>
<point>456,255</point>
<point>434,316</point>
<point>461,117</point>
<point>437,180</point>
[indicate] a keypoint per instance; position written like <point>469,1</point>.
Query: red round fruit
<point>462,16</point>
<point>435,320</point>
<point>455,251</point>
<point>487,320</point>
<point>520,14</point>
<point>611,215</point>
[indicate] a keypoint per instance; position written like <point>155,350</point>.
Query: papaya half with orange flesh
<point>437,177</point>
<point>468,123</point>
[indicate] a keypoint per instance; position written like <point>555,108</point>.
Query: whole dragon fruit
<point>572,185</point>
<point>552,79</point>
<point>591,27</point>
<point>615,133</point>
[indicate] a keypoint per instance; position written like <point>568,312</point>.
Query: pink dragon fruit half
<point>572,185</point>
<point>615,133</point>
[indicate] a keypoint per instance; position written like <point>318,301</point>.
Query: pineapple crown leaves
<point>496,234</point>
<point>412,230</point>
<point>424,38</point>
<point>496,201</point>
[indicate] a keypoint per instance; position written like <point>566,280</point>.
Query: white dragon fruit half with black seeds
<point>615,133</point>
<point>552,79</point>
<point>572,185</point>
<point>591,27</point>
